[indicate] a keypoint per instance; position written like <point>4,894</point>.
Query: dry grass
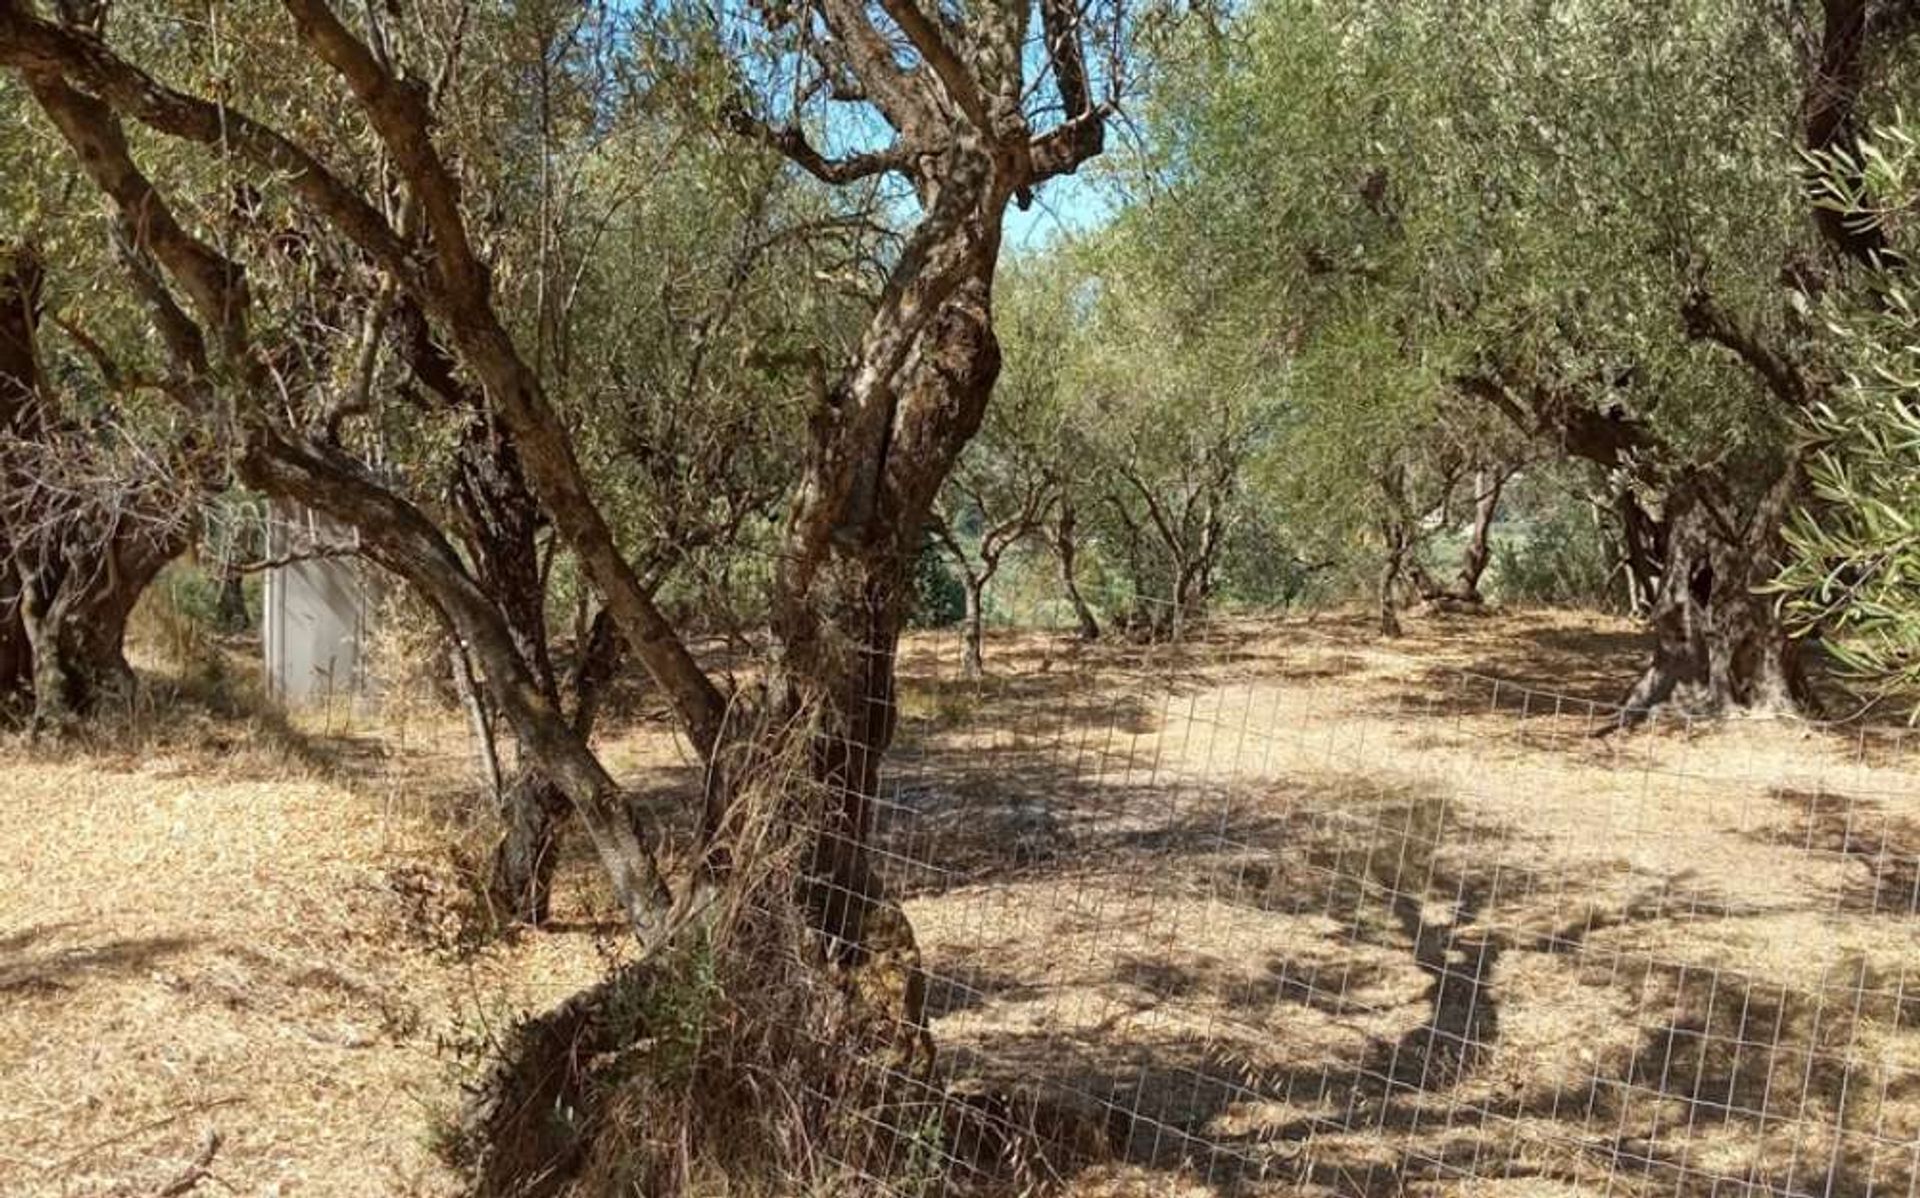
<point>212,935</point>
<point>1316,914</point>
<point>1289,911</point>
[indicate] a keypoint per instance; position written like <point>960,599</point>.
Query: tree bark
<point>1066,549</point>
<point>1464,590</point>
<point>840,598</point>
<point>499,521</point>
<point>1643,542</point>
<point>974,630</point>
<point>1488,486</point>
<point>74,611</point>
<point>1390,570</point>
<point>532,812</point>
<point>16,657</point>
<point>1718,643</point>
<point>399,537</point>
<point>1192,587</point>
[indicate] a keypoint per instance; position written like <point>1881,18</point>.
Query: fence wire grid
<point>1271,911</point>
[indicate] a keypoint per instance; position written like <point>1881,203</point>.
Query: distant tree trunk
<point>1140,621</point>
<point>16,656</point>
<point>1488,484</point>
<point>1192,590</point>
<point>1066,549</point>
<point>1464,590</point>
<point>974,630</point>
<point>499,522</point>
<point>1397,541</point>
<point>1702,558</point>
<point>978,569</point>
<point>1718,643</point>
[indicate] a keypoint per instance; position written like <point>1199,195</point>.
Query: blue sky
<point>1069,204</point>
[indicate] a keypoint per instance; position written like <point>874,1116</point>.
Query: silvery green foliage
<point>1855,576</point>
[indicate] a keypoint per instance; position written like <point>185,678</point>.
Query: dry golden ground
<point>1289,911</point>
<point>1302,913</point>
<point>213,933</point>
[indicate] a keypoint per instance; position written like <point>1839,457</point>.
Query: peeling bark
<point>840,599</point>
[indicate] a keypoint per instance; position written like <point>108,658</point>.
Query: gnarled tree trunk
<point>533,808</point>
<point>520,878</point>
<point>1643,541</point>
<point>398,536</point>
<point>1488,486</point>
<point>1718,643</point>
<point>499,522</point>
<point>1464,590</point>
<point>76,563</point>
<point>845,589</point>
<point>74,609</point>
<point>16,658</point>
<point>886,433</point>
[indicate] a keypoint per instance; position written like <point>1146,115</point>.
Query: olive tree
<point>1166,413</point>
<point>339,122</point>
<point>1584,219</point>
<point>1853,578</point>
<point>100,484</point>
<point>961,126</point>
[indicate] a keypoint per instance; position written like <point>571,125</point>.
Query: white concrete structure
<point>317,613</point>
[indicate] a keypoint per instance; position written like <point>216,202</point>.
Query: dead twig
<point>142,1129</point>
<point>197,1172</point>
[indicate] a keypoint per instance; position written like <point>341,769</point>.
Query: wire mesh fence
<point>1270,911</point>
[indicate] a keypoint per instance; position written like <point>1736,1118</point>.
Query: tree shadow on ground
<point>29,966</point>
<point>1365,1054</point>
<point>1883,846</point>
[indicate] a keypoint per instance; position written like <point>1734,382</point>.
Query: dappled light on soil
<point>1277,911</point>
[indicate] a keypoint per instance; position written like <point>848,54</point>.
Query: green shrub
<point>939,599</point>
